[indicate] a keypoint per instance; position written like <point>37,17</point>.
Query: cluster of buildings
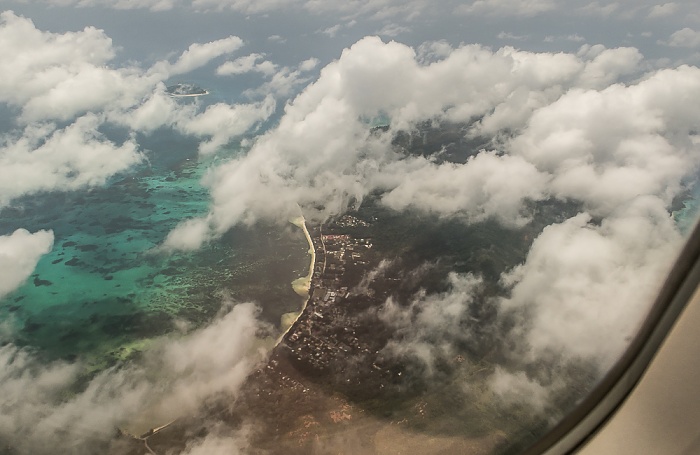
<point>326,329</point>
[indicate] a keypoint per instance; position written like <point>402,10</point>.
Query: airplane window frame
<point>593,412</point>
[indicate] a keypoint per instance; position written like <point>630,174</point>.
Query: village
<point>328,330</point>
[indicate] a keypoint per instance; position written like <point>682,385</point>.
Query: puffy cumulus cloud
<point>607,147</point>
<point>221,122</point>
<point>486,186</point>
<point>34,419</point>
<point>585,128</point>
<point>584,287</point>
<point>212,360</point>
<point>515,387</point>
<point>685,37</point>
<point>331,31</point>
<point>282,81</point>
<point>392,30</point>
<point>189,235</point>
<point>606,66</point>
<point>63,75</point>
<point>48,159</point>
<point>432,324</point>
<point>247,64</point>
<point>216,125</point>
<point>379,271</point>
<point>41,415</point>
<point>624,151</point>
<point>67,77</point>
<point>588,128</point>
<point>200,54</point>
<point>59,75</point>
<point>220,441</point>
<point>19,254</point>
<point>510,36</point>
<point>309,64</point>
<point>663,10</point>
<point>322,153</point>
<point>157,110</point>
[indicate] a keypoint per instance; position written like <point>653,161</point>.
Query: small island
<point>181,90</point>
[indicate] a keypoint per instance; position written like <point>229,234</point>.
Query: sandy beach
<point>302,284</point>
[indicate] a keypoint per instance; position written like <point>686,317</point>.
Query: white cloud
<point>283,82</point>
<point>663,10</point>
<point>515,388</point>
<point>187,236</point>
<point>41,414</point>
<point>332,31</point>
<point>322,154</point>
<point>486,186</point>
<point>575,132</point>
<point>607,147</point>
<point>309,64</point>
<point>276,39</point>
<point>510,36</point>
<point>19,254</point>
<point>220,441</point>
<point>507,7</point>
<point>686,37</point>
<point>68,77</point>
<point>393,30</point>
<point>200,54</point>
<point>46,159</point>
<point>432,51</point>
<point>575,38</point>
<point>59,76</point>
<point>607,66</point>
<point>222,122</point>
<point>247,64</point>
<point>63,75</point>
<point>430,325</point>
<point>584,288</point>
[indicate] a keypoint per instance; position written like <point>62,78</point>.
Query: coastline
<point>302,284</point>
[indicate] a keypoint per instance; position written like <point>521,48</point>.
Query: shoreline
<point>302,284</point>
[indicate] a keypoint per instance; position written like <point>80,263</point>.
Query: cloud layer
<point>596,128</point>
<point>65,90</point>
<point>41,412</point>
<point>591,128</point>
<point>19,254</point>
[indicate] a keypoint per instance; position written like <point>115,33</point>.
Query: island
<point>185,90</point>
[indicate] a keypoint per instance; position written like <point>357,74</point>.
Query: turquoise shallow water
<point>687,216</point>
<point>100,292</point>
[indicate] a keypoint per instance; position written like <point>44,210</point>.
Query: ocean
<point>102,295</point>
